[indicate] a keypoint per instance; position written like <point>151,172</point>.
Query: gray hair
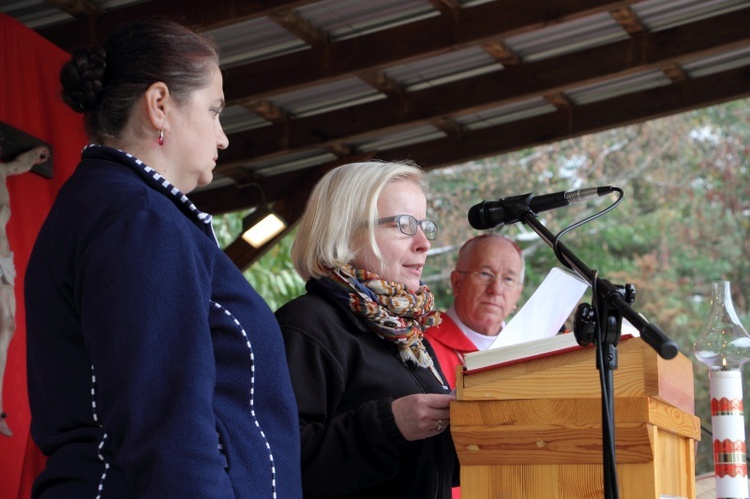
<point>490,235</point>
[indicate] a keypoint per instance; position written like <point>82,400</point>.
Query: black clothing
<point>345,378</point>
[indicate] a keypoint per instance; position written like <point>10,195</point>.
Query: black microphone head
<point>475,216</point>
<point>485,215</point>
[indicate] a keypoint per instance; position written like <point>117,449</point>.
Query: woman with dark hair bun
<point>154,368</point>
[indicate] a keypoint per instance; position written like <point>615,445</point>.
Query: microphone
<point>489,214</point>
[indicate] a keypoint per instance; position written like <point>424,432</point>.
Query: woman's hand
<point>422,415</point>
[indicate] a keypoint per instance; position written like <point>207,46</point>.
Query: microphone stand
<point>600,325</point>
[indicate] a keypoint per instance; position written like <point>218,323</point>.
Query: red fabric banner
<point>30,101</point>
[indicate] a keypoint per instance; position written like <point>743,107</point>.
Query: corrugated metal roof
<point>254,40</point>
<point>369,76</point>
<point>567,37</point>
<point>658,15</point>
<point>717,63</point>
<point>401,138</point>
<point>38,13</point>
<point>343,19</point>
<point>434,71</point>
<point>326,97</point>
<point>618,86</point>
<point>506,113</point>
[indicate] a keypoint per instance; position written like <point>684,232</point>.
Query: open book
<point>533,330</point>
<point>522,351</point>
<point>531,350</point>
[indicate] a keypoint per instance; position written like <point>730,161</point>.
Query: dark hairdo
<point>104,83</point>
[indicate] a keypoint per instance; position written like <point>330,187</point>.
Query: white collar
<point>481,341</point>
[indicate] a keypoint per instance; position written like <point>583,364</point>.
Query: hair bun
<point>82,77</point>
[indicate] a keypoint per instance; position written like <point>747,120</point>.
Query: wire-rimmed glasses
<point>487,277</point>
<point>408,225</point>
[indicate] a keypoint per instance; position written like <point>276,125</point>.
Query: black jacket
<point>345,378</point>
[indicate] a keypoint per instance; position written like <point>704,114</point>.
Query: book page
<point>545,311</point>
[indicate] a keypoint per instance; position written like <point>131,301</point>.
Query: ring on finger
<point>439,425</point>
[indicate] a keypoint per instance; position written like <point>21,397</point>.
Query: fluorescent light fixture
<point>261,226</point>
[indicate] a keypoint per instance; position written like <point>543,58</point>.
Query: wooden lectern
<point>533,429</point>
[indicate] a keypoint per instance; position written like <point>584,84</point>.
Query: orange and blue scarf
<point>394,313</point>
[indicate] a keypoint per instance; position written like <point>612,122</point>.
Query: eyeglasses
<point>408,225</point>
<point>488,278</point>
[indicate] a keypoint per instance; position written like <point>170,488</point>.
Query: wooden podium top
<point>640,373</point>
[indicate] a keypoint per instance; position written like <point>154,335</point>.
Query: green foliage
<point>273,276</point>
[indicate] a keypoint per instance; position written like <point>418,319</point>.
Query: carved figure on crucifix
<point>20,164</point>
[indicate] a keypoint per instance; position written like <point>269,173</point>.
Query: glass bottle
<point>723,344</point>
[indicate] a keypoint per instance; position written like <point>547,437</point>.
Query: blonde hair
<point>343,204</point>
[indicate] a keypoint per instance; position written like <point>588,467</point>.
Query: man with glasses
<point>487,283</point>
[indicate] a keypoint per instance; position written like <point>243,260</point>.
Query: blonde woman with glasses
<point>373,404</point>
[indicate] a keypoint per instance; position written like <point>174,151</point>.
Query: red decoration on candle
<point>726,406</point>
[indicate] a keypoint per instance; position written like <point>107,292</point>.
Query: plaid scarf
<point>393,312</point>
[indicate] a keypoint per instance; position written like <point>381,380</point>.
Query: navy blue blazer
<point>154,368</point>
